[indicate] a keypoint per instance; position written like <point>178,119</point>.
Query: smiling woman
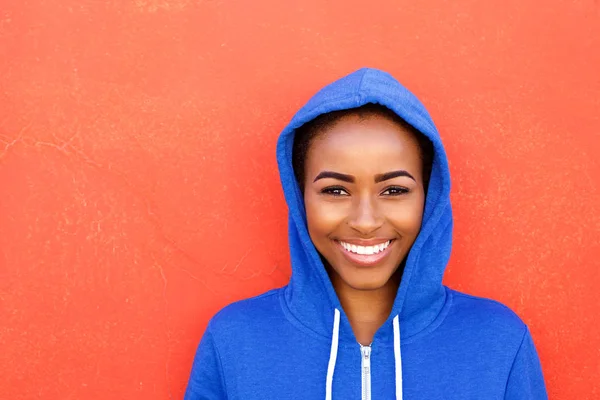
<point>364,208</point>
<point>365,314</point>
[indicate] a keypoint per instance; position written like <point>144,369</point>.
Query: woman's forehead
<point>358,139</point>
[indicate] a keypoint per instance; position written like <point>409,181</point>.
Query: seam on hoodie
<point>435,235</point>
<point>221,370</point>
<point>289,315</point>
<point>326,103</point>
<point>298,324</point>
<point>437,321</point>
<point>268,293</point>
<point>512,365</point>
<point>359,95</point>
<point>421,118</point>
<point>504,306</point>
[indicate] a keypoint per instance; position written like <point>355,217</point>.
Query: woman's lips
<point>365,260</point>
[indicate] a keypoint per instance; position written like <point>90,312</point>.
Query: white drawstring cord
<point>333,353</point>
<point>397,358</point>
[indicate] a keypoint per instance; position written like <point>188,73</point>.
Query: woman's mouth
<point>365,255</point>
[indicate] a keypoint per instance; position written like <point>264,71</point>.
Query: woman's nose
<point>364,217</point>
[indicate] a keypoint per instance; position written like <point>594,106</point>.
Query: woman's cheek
<point>325,212</point>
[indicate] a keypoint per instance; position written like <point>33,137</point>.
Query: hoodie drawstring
<point>397,358</point>
<point>333,353</point>
<point>334,349</point>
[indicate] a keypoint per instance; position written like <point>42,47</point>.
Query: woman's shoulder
<point>258,311</point>
<point>485,314</point>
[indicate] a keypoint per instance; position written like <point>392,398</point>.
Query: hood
<point>310,297</point>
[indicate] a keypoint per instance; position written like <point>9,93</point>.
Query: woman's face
<point>364,199</point>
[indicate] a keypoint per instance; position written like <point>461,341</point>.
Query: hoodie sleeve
<point>206,379</point>
<point>525,381</point>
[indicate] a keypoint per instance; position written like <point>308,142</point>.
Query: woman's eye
<point>335,191</point>
<point>395,191</point>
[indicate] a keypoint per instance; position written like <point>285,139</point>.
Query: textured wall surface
<point>139,190</point>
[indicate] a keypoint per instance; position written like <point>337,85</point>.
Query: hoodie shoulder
<point>487,317</point>
<point>247,316</point>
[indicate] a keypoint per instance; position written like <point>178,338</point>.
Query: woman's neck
<point>367,310</point>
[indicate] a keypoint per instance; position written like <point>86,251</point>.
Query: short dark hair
<point>309,131</point>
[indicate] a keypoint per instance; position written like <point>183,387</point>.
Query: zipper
<point>365,366</point>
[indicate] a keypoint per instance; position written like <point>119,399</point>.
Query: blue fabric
<point>454,346</point>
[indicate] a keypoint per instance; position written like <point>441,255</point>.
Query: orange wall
<point>139,183</point>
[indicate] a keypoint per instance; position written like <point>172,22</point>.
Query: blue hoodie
<point>296,342</point>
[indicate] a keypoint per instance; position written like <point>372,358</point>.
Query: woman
<point>365,314</point>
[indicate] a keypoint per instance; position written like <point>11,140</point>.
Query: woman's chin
<point>363,278</point>
<point>370,283</point>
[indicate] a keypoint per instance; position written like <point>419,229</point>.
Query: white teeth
<point>366,250</point>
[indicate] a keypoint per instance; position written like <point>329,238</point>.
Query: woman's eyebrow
<point>351,179</point>
<point>335,175</point>
<point>393,174</point>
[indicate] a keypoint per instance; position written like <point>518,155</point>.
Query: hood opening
<point>310,296</point>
